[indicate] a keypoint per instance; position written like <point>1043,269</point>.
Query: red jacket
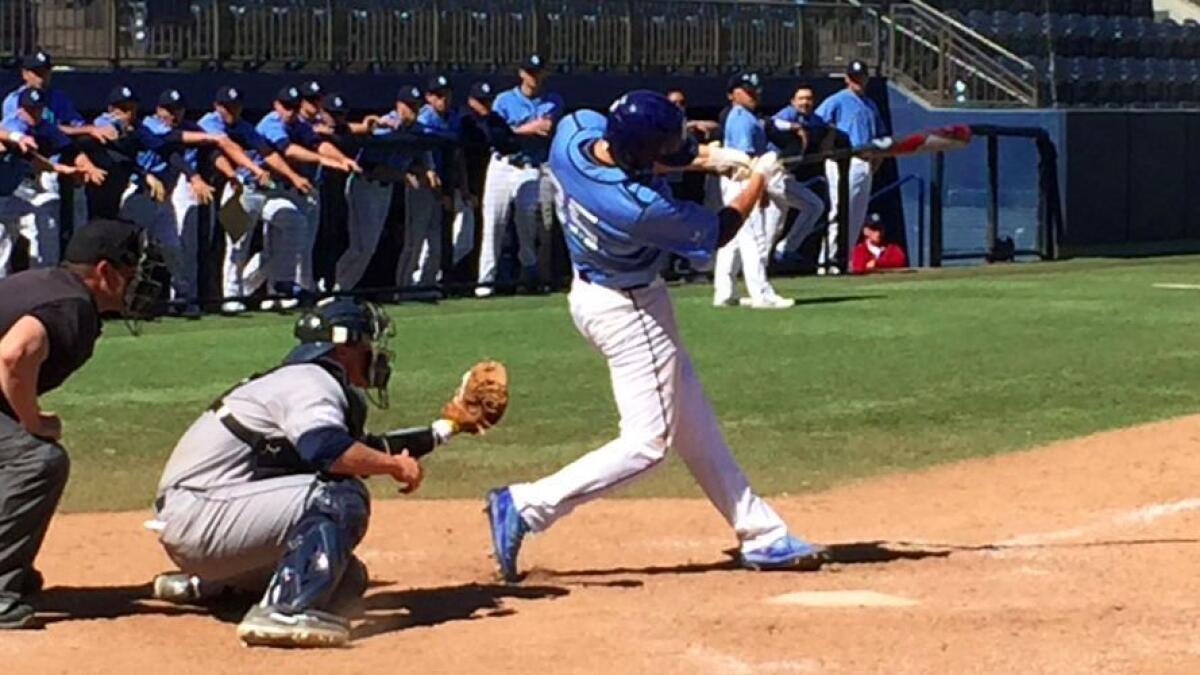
<point>892,257</point>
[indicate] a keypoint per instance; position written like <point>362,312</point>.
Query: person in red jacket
<point>873,251</point>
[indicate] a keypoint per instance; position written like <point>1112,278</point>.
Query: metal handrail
<point>315,35</point>
<point>926,45</point>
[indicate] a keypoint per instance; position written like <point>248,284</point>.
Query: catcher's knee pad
<point>319,546</point>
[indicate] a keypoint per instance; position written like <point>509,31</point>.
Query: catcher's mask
<point>346,321</point>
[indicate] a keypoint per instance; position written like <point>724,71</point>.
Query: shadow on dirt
<point>70,603</point>
<point>851,553</point>
<point>397,610</point>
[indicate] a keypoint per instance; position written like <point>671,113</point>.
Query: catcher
<point>262,492</point>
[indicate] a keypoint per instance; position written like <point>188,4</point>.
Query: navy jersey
<point>618,229</point>
<point>242,133</point>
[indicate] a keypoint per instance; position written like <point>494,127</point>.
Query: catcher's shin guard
<point>319,547</point>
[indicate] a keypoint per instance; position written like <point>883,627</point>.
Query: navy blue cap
<point>117,241</point>
<point>228,95</point>
<point>312,90</point>
<point>289,96</point>
<point>482,91</point>
<point>38,59</point>
<point>857,68</point>
<point>410,94</point>
<point>437,82</point>
<point>31,98</point>
<point>171,98</point>
<point>747,80</point>
<point>533,64</point>
<point>336,104</point>
<point>122,93</point>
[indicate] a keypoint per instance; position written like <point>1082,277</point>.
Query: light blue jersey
<point>155,160</point>
<point>744,131</point>
<point>516,108</point>
<point>618,230</point>
<point>854,115</point>
<point>450,125</point>
<point>242,133</point>
<point>280,135</point>
<point>59,108</point>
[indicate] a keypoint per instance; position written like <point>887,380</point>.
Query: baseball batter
<point>513,183</point>
<point>262,491</point>
<point>857,116</point>
<point>620,222</point>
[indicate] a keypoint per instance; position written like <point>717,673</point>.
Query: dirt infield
<point>1079,557</point>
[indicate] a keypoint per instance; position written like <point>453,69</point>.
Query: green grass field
<point>865,376</point>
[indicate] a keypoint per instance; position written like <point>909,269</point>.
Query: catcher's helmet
<point>644,127</point>
<point>345,321</point>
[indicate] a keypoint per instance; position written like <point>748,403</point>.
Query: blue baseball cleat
<point>787,552</point>
<point>507,531</point>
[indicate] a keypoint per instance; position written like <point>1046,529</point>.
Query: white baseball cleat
<point>772,302</point>
<point>232,307</point>
<point>484,291</point>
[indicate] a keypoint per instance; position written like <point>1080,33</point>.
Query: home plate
<point>841,599</point>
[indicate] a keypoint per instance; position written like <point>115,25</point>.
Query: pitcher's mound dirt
<point>1080,557</point>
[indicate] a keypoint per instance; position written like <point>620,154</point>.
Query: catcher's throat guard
<point>348,321</point>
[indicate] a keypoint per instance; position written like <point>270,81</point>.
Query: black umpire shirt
<point>63,304</point>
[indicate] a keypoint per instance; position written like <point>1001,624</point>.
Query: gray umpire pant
<point>33,474</point>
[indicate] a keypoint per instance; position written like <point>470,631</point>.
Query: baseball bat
<point>941,139</point>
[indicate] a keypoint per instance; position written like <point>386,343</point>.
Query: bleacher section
<point>1094,53</point>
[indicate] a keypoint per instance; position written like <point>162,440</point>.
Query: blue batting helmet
<point>644,127</point>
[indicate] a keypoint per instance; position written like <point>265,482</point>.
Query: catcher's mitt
<point>481,399</point>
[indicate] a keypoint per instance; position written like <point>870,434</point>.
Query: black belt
<point>519,163</point>
<point>624,289</point>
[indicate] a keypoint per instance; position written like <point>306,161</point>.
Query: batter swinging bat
<point>942,139</point>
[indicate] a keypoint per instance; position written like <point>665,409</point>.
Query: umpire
<point>49,323</point>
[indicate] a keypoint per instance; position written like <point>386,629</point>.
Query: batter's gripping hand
<point>726,160</point>
<point>480,400</point>
<point>768,165</point>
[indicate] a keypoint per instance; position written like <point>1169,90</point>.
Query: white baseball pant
<point>789,193</point>
<point>175,225</point>
<point>244,273</point>
<point>748,248</point>
<point>421,255</point>
<point>662,406</point>
<point>369,202</point>
<point>33,214</point>
<point>508,190</point>
<point>860,197</point>
<point>49,182</point>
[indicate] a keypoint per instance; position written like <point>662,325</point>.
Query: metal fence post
<point>993,206</point>
<point>114,56</point>
<point>935,209</point>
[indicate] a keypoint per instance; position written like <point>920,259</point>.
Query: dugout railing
<point>687,36</point>
<point>1048,218</point>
